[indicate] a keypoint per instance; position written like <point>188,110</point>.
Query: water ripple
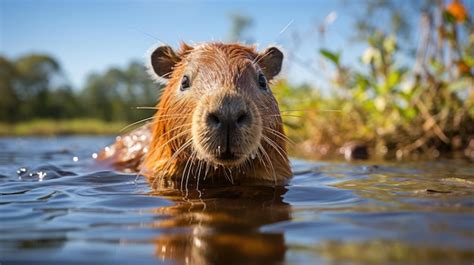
<point>57,209</point>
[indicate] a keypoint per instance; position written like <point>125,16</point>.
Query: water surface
<point>58,206</point>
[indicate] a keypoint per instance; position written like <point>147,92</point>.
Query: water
<point>58,206</point>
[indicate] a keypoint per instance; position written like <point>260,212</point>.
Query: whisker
<point>231,177</point>
<point>155,121</point>
<point>199,174</point>
<point>184,171</point>
<point>260,57</point>
<point>274,146</point>
<point>279,135</point>
<point>151,36</point>
<point>225,174</point>
<point>311,110</point>
<point>165,119</point>
<point>265,154</point>
<point>156,108</point>
<point>176,136</point>
<point>261,160</point>
<point>145,107</point>
<point>173,138</point>
<point>192,156</point>
<point>283,115</point>
<point>170,160</point>
<point>135,123</point>
<point>286,27</point>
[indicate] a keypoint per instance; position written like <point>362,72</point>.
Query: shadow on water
<point>55,211</point>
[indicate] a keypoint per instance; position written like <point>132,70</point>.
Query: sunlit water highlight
<point>58,206</point>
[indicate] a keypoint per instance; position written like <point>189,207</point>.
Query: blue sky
<point>90,36</point>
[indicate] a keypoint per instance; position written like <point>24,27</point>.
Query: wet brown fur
<point>168,159</point>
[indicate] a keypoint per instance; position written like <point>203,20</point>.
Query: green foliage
<point>397,110</point>
<point>333,57</point>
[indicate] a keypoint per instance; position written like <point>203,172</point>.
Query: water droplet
<point>21,171</point>
<point>41,175</point>
<point>75,159</point>
<point>197,242</point>
<point>94,155</point>
<point>38,174</point>
<point>252,155</point>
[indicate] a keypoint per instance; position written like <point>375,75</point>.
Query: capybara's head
<point>218,102</point>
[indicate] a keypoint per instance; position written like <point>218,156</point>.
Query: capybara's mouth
<point>228,158</point>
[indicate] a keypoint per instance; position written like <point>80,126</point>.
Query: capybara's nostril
<point>243,119</point>
<point>213,119</point>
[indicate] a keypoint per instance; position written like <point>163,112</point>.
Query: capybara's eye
<point>262,81</point>
<point>185,83</point>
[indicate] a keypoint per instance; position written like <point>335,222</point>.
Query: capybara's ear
<point>162,61</point>
<point>271,60</point>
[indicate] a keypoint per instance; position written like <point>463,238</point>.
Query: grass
<point>50,127</point>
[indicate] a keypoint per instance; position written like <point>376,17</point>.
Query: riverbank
<point>303,146</point>
<point>49,127</point>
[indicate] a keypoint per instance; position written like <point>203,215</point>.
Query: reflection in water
<point>221,225</point>
<point>330,213</point>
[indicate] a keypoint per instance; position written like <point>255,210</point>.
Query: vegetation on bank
<point>49,127</point>
<point>393,109</point>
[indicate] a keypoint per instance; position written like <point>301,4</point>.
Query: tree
<point>36,77</point>
<point>34,86</point>
<point>116,94</point>
<point>9,99</point>
<point>240,24</point>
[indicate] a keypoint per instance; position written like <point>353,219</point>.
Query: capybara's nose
<point>216,119</point>
<point>232,113</point>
